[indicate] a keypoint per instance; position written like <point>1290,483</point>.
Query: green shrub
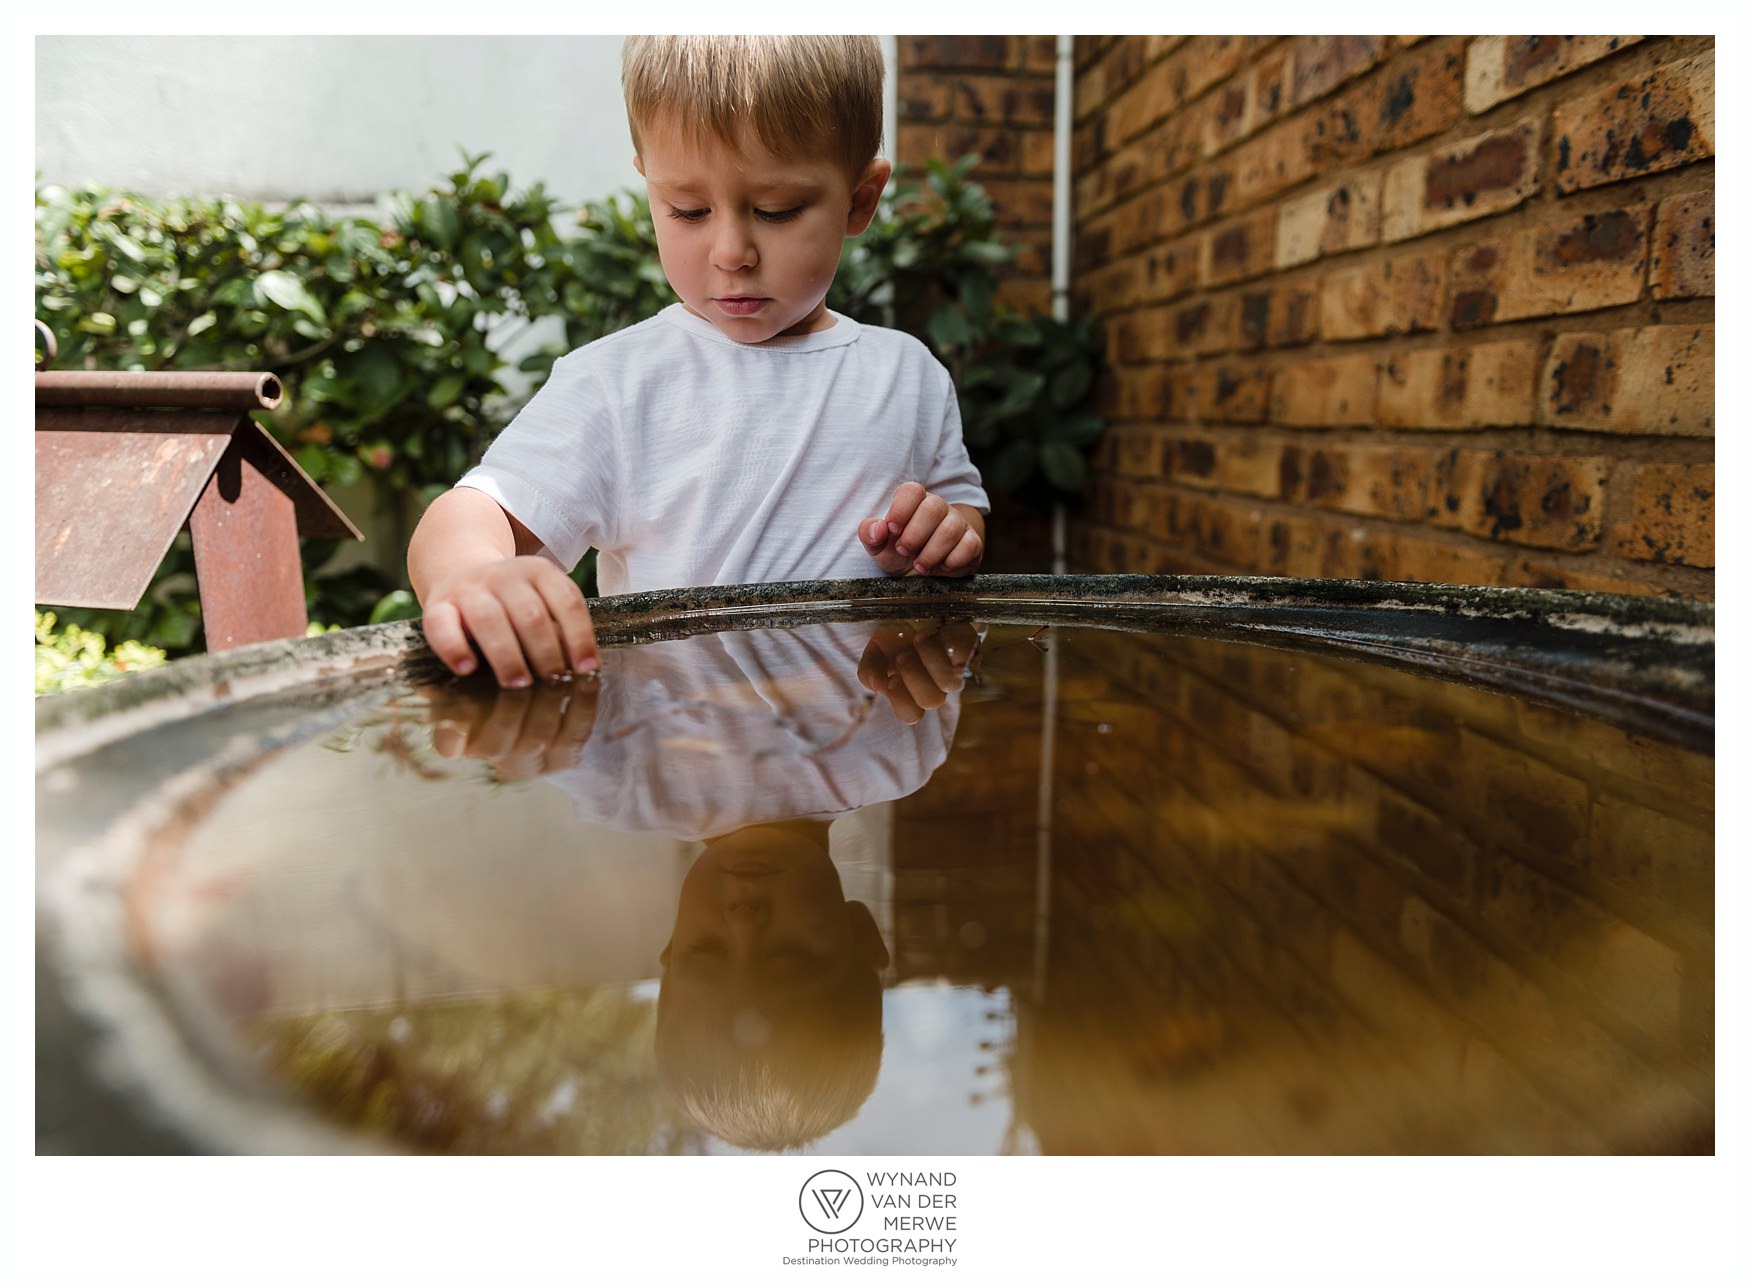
<point>71,657</point>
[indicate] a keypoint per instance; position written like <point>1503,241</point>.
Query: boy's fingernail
<point>893,529</point>
<point>903,551</point>
<point>590,664</point>
<point>517,681</point>
<point>465,667</point>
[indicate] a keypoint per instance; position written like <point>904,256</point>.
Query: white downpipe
<point>1060,207</point>
<point>1061,180</point>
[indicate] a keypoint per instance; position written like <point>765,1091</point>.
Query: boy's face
<point>750,241</point>
<point>762,913</point>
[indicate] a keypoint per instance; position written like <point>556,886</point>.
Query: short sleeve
<point>555,468</point>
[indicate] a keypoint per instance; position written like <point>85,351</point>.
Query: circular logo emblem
<point>831,1201</point>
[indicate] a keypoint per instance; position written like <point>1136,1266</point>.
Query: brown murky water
<point>928,890</point>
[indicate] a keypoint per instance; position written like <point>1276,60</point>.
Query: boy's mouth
<point>740,305</point>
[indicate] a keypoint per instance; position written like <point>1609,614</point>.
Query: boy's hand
<point>923,533</point>
<point>527,618</point>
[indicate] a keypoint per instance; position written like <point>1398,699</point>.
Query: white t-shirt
<point>688,458</point>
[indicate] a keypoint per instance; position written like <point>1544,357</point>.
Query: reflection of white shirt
<point>701,736</point>
<point>687,458</point>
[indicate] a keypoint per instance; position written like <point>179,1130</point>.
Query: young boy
<point>745,434</point>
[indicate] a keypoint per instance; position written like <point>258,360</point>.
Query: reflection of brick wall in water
<point>1412,308</point>
<point>965,847</point>
<point>1305,905</point>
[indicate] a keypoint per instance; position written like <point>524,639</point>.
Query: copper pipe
<point>45,338</point>
<point>213,390</point>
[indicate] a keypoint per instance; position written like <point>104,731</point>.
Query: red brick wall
<point>1395,307</point>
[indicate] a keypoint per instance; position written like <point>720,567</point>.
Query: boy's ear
<point>667,950</point>
<point>870,948</point>
<point>638,164</point>
<point>866,195</point>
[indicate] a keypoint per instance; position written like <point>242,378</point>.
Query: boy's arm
<point>925,534</point>
<point>479,576</point>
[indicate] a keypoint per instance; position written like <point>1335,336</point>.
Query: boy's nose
<point>733,249</point>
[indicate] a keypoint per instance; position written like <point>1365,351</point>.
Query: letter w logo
<point>832,1200</point>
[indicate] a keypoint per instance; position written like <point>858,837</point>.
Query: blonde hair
<point>798,95</point>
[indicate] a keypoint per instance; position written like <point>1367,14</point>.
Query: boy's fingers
<point>905,504</point>
<point>920,685</point>
<point>576,632</point>
<point>941,543</point>
<point>536,631</point>
<point>965,557</point>
<point>924,521</point>
<point>448,640</point>
<point>489,622</point>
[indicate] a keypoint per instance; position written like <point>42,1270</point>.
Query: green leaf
<point>440,222</point>
<point>1063,465</point>
<point>1021,394</point>
<point>396,605</point>
<point>1071,385</point>
<point>947,328</point>
<point>1083,428</point>
<point>285,291</point>
<point>447,389</point>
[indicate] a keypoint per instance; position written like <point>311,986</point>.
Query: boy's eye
<point>778,216</point>
<point>690,216</point>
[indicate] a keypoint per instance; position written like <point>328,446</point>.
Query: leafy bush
<point>390,334</point>
<point>71,657</point>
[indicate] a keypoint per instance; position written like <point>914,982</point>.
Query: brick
<point>1235,251</point>
<point>1274,161</point>
<point>923,98</point>
<point>1396,296</point>
<point>1005,100</point>
<point>1654,380</point>
<point>1596,261</point>
<point>1498,68</point>
<point>1019,202</point>
<point>1343,216</point>
<point>1204,61</point>
<point>1321,63</point>
<point>1683,247</point>
<point>1397,556</point>
<point>1653,122</point>
<point>958,51</point>
<point>1469,387</point>
<point>1170,271</point>
<point>1406,102</point>
<point>1279,316</point>
<point>1390,482</point>
<point>998,148</point>
<point>1038,154</point>
<point>1533,573</point>
<point>1553,502</point>
<point>1310,547</point>
<point>1673,516</point>
<point>1139,391</point>
<point>1483,175</point>
<point>1220,394</point>
<point>1207,326</point>
<point>1325,392</point>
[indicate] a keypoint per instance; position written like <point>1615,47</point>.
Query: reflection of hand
<point>521,732</point>
<point>917,665</point>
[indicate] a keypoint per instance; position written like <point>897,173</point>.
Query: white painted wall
<point>336,119</point>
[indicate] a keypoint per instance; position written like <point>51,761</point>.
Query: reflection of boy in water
<point>768,1024</point>
<point>768,1027</point>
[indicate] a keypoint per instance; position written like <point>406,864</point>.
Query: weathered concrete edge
<point>73,723</point>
